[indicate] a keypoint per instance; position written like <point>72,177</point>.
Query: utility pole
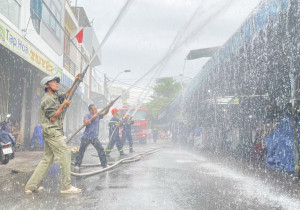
<point>105,93</point>
<point>90,80</point>
<point>105,89</point>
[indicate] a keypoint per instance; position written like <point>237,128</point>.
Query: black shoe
<point>122,154</point>
<point>105,166</point>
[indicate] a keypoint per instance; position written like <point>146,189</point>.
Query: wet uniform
<point>114,136</point>
<point>55,145</point>
<point>126,133</point>
<point>90,136</point>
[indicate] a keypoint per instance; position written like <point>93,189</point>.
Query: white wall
<point>27,31</point>
<point>47,47</point>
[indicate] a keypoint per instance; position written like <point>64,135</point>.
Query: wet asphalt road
<point>169,179</point>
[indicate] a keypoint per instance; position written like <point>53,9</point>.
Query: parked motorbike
<point>7,146</point>
<point>6,152</point>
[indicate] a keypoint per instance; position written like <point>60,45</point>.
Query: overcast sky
<point>147,30</point>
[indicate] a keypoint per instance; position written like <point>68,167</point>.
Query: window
<point>52,16</point>
<point>46,14</point>
<point>36,14</point>
<point>11,10</point>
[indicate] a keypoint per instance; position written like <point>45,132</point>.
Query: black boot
<point>131,150</point>
<point>107,154</point>
<point>122,153</point>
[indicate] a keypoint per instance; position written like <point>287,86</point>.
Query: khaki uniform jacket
<point>49,105</point>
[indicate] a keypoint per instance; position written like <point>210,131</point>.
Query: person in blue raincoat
<point>37,135</point>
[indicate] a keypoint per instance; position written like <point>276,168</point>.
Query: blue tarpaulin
<point>37,134</point>
<point>280,146</point>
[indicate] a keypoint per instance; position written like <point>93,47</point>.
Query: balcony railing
<point>69,65</point>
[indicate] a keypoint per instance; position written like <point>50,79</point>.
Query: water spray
<point>102,110</point>
<point>113,26</point>
<point>172,49</point>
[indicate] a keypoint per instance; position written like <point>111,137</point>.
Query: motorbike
<point>6,152</point>
<point>7,145</point>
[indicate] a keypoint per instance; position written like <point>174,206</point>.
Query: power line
<point>178,43</point>
<point>117,20</point>
<point>118,80</point>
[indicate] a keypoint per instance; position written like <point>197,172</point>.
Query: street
<point>215,82</point>
<point>172,178</point>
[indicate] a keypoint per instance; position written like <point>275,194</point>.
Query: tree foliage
<point>167,87</point>
<point>165,91</point>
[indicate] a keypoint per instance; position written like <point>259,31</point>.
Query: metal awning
<point>201,53</point>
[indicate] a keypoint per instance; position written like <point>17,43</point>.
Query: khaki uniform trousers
<point>54,147</point>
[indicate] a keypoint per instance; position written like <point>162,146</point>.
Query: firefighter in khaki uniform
<point>52,105</point>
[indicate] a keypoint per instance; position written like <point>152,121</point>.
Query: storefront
<point>20,93</point>
<point>22,66</point>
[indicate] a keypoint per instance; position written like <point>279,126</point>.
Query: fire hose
<point>134,158</point>
<point>79,129</point>
<point>83,72</point>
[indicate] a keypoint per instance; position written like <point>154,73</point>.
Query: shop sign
<point>17,44</point>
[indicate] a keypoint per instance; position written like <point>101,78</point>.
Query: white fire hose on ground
<point>114,164</point>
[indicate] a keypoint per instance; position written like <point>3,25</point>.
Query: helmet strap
<point>51,88</point>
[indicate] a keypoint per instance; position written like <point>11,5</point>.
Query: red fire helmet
<point>113,111</point>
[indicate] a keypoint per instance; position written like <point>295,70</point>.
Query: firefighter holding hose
<point>126,132</point>
<point>114,137</point>
<point>90,136</point>
<point>51,110</point>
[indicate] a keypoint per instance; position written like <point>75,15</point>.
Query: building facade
<point>36,40</point>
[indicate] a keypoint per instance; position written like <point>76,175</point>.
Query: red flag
<point>79,36</point>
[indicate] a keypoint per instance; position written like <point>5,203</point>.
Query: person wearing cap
<point>114,136</point>
<point>51,119</point>
<point>126,132</point>
<point>90,136</point>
